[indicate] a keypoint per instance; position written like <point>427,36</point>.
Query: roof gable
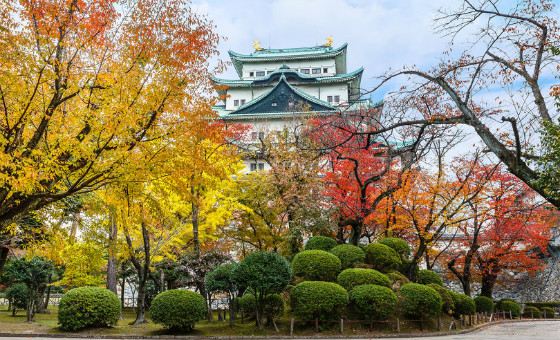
<point>283,98</point>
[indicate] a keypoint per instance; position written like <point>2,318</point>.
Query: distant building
<point>278,88</point>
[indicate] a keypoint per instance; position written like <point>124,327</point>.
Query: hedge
<point>550,304</point>
<point>397,279</point>
<point>419,301</point>
<point>318,299</point>
<point>352,277</point>
<point>507,305</point>
<point>448,304</point>
<point>320,243</point>
<point>373,302</point>
<point>399,245</point>
<point>464,304</point>
<point>273,305</point>
<point>484,304</point>
<point>382,257</point>
<point>246,304</point>
<point>17,294</point>
<point>349,255</point>
<point>316,265</point>
<point>531,312</point>
<point>426,276</point>
<point>87,307</point>
<point>178,309</point>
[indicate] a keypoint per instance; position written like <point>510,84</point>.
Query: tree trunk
<point>195,222</point>
<point>4,252</point>
<point>488,283</point>
<point>231,311</point>
<point>140,301</point>
<point>112,260</point>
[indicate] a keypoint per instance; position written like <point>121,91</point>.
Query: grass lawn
<point>47,323</point>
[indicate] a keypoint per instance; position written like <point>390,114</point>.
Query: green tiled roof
<point>279,54</point>
<point>342,77</point>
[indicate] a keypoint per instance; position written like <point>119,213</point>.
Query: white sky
<point>381,34</point>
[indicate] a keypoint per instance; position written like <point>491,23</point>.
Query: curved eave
<point>238,58</point>
<point>340,78</point>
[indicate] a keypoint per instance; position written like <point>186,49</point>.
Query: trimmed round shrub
<point>448,305</point>
<point>428,276</point>
<point>318,299</point>
<point>507,305</point>
<point>88,307</point>
<point>399,245</point>
<point>397,279</point>
<point>547,312</point>
<point>419,301</point>
<point>464,304</point>
<point>484,304</point>
<point>349,255</point>
<point>320,243</point>
<point>352,277</point>
<point>316,265</point>
<point>531,312</point>
<point>178,309</point>
<point>17,295</point>
<point>382,257</point>
<point>373,302</point>
<point>246,304</point>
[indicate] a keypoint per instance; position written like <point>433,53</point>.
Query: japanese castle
<point>277,88</point>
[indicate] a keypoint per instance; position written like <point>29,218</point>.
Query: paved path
<point>539,330</point>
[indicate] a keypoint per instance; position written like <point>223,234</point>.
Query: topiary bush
<point>178,309</point>
<point>352,277</point>
<point>531,312</point>
<point>547,312</point>
<point>246,304</point>
<point>397,279</point>
<point>464,304</point>
<point>448,305</point>
<point>316,265</point>
<point>320,243</point>
<point>428,276</point>
<point>373,302</point>
<point>484,304</point>
<point>273,306</point>
<point>419,301</point>
<point>507,305</point>
<point>17,294</point>
<point>349,255</point>
<point>318,299</point>
<point>87,307</point>
<point>382,257</point>
<point>399,245</point>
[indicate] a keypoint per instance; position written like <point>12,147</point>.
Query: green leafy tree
<point>221,279</point>
<point>263,273</point>
<point>34,273</point>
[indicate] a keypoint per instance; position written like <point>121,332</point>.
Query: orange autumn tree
<point>507,233</point>
<point>431,204</point>
<point>361,172</point>
<point>83,85</point>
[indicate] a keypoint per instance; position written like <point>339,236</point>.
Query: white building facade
<point>279,88</point>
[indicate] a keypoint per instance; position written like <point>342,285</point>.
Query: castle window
<point>259,73</point>
<point>254,135</point>
<point>325,70</point>
<point>274,104</point>
<point>316,71</point>
<point>242,102</point>
<point>329,99</point>
<point>304,70</point>
<point>337,99</point>
<point>269,72</point>
<point>261,166</point>
<point>253,166</point>
<point>261,135</point>
<point>236,102</point>
<point>251,74</point>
